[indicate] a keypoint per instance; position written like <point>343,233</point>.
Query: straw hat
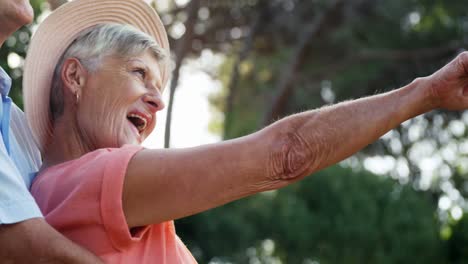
<point>57,32</point>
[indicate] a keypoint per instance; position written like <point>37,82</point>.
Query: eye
<point>141,72</point>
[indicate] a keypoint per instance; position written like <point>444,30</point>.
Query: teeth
<point>140,127</point>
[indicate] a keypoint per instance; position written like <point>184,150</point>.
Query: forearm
<point>319,138</point>
<point>34,241</point>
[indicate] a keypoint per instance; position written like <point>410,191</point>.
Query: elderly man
<point>24,236</point>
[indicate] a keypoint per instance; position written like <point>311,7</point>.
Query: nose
<point>154,102</point>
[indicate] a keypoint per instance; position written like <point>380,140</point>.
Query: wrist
<point>425,99</point>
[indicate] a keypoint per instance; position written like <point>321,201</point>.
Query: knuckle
<point>464,54</point>
<point>462,57</point>
<point>462,62</point>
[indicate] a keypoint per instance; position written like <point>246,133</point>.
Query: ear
<point>73,76</point>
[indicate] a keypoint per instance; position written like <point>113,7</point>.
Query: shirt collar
<point>5,83</point>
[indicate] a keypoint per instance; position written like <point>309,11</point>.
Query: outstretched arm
<point>169,184</point>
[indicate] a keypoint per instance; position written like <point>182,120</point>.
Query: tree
<point>457,250</point>
<point>335,216</point>
<point>349,56</point>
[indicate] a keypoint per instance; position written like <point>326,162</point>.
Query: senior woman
<point>105,78</point>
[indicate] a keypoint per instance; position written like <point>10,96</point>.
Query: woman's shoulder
<point>98,155</point>
<point>83,175</point>
<point>88,165</point>
<point>106,152</point>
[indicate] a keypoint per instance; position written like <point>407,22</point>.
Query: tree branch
<point>370,54</point>
<point>284,87</point>
<point>182,49</point>
<point>234,81</point>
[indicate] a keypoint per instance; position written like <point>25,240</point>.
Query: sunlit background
<point>371,47</point>
<point>192,111</point>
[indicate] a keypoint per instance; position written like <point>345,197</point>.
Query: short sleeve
<point>16,203</point>
<point>24,151</point>
<point>113,217</point>
<point>24,139</point>
<point>17,172</point>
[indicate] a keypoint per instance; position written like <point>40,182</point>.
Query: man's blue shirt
<point>19,160</point>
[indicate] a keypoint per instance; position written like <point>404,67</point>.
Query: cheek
<point>105,107</point>
<point>103,121</point>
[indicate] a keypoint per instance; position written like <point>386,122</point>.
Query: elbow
<point>291,158</point>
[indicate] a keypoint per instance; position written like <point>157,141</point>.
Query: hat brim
<point>57,32</point>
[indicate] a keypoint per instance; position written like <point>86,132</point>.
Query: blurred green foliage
<point>335,216</point>
<point>457,250</point>
<point>342,214</point>
<point>346,215</point>
<point>17,45</point>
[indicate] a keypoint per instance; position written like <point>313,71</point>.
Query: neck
<point>67,143</point>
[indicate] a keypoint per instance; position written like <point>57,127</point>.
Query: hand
<point>449,86</point>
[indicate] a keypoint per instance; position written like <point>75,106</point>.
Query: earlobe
<point>73,75</point>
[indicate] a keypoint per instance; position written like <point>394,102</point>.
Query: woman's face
<point>119,101</point>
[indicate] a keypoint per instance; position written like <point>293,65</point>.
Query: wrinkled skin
<point>118,87</point>
<point>443,84</point>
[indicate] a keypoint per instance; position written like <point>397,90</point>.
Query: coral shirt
<point>82,199</point>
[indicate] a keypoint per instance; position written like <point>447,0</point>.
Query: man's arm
<point>29,241</point>
<point>34,241</point>
<point>169,184</point>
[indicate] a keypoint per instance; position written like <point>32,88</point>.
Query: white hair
<point>96,43</point>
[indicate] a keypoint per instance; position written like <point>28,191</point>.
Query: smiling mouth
<point>139,122</point>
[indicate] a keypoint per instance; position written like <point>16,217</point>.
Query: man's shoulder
<point>22,140</point>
